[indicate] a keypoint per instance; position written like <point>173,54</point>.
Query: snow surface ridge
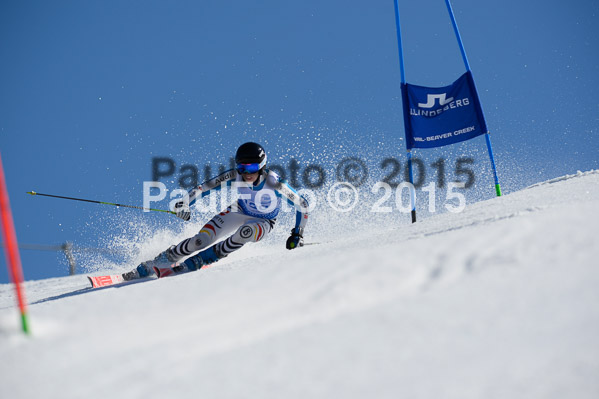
<point>498,301</point>
<point>565,177</point>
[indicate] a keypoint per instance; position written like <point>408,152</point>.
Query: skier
<point>250,219</point>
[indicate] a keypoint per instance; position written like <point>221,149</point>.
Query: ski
<point>105,281</point>
<point>114,279</point>
<point>169,271</point>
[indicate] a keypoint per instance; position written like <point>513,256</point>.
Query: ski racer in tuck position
<point>250,219</point>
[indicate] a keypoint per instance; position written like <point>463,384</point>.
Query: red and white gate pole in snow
<point>13,259</point>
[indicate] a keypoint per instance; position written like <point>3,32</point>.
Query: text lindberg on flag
<point>436,117</point>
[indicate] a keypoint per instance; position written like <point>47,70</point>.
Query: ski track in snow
<point>498,301</point>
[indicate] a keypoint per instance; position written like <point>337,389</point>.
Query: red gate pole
<point>11,249</point>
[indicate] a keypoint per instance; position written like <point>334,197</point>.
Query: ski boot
<point>204,258</point>
<point>191,264</point>
<point>146,269</point>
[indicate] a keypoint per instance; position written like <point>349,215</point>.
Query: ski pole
<point>100,202</point>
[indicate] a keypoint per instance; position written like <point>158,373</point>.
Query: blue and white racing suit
<point>250,218</point>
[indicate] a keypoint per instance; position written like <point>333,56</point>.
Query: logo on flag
<point>431,100</point>
<point>436,117</point>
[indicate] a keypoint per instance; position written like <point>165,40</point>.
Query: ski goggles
<point>247,168</point>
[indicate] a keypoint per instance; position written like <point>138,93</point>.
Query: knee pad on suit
<point>250,232</point>
<point>202,240</point>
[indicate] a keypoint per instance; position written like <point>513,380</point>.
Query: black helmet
<point>250,158</point>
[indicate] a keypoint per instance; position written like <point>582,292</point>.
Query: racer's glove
<point>296,239</point>
<point>182,210</point>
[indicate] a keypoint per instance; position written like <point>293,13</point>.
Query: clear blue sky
<point>92,90</point>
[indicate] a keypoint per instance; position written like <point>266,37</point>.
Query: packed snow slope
<point>500,301</point>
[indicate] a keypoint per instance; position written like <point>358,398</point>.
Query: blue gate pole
<point>487,134</point>
<point>497,186</point>
<point>403,84</point>
<point>457,35</point>
<point>399,43</point>
<point>412,188</point>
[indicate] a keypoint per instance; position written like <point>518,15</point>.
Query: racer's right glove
<point>296,239</point>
